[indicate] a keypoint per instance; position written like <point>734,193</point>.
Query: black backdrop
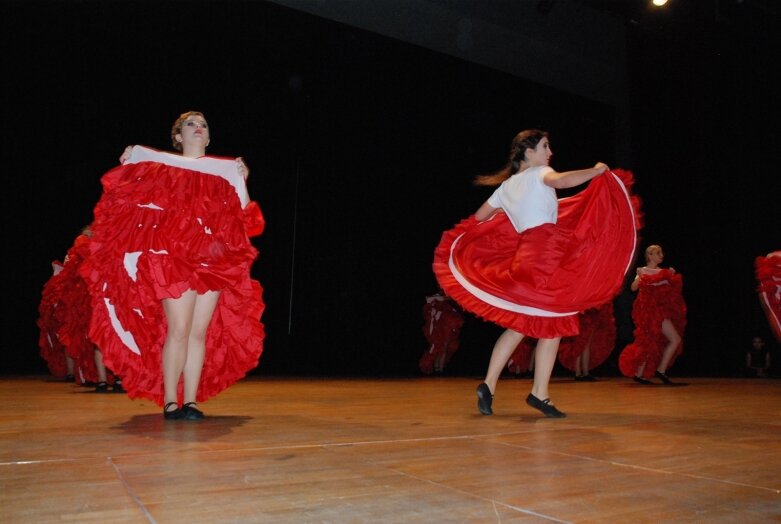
<point>362,151</point>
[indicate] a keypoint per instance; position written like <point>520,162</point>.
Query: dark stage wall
<point>362,151</point>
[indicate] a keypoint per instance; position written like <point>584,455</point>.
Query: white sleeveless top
<point>526,199</point>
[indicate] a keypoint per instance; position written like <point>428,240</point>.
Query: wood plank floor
<point>394,450</point>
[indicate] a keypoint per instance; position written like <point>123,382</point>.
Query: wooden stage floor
<point>394,450</point>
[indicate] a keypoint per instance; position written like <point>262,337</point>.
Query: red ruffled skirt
<point>654,303</point>
<point>159,231</point>
<point>538,281</point>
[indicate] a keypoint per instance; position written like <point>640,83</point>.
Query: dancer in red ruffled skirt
<point>531,262</point>
<point>442,321</point>
<point>76,315</point>
<point>593,345</point>
<point>659,315</point>
<point>50,348</point>
<point>175,311</point>
<point>768,273</point>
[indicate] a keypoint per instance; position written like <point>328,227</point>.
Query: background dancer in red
<point>521,362</point>
<point>442,321</point>
<point>659,315</point>
<point>176,313</point>
<point>593,345</point>
<point>530,262</point>
<point>76,314</point>
<point>768,273</point>
<point>50,348</point>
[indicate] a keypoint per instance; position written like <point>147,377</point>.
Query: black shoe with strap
<point>548,409</point>
<point>664,378</point>
<point>117,388</point>
<point>173,414</point>
<point>191,412</point>
<point>102,387</point>
<point>484,399</point>
<point>641,380</point>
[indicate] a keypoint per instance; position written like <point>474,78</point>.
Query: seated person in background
<point>758,358</point>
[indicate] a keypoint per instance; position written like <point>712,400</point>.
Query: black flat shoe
<point>484,399</point>
<point>664,378</point>
<point>641,380</point>
<point>585,378</point>
<point>117,388</point>
<point>102,387</point>
<point>175,414</point>
<point>191,412</point>
<point>548,409</point>
<point>70,378</point>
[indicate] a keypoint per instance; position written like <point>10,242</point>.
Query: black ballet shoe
<point>641,380</point>
<point>101,387</point>
<point>174,414</point>
<point>191,412</point>
<point>548,409</point>
<point>664,378</point>
<point>117,388</point>
<point>484,399</point>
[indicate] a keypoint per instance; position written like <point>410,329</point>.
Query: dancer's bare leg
<point>196,346</point>
<point>179,314</point>
<point>503,350</point>
<point>100,366</point>
<point>545,359</point>
<point>584,360</point>
<point>673,341</point>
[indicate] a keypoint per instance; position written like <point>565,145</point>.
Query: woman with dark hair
<point>176,313</point>
<point>531,262</point>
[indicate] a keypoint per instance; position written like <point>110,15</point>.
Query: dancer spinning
<point>530,262</point>
<point>176,313</point>
<point>659,315</point>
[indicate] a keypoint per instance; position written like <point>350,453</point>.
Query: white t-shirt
<point>526,199</point>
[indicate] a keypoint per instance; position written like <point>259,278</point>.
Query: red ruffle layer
<point>159,231</point>
<point>574,265</point>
